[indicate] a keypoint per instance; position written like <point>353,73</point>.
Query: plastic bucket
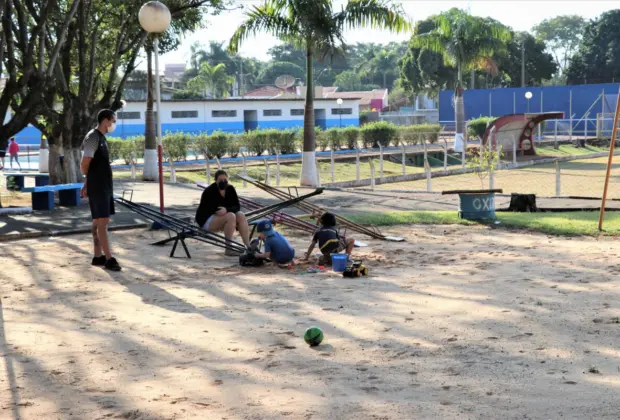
<point>339,262</point>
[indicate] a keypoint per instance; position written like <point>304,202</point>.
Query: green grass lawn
<point>564,224</point>
<point>289,173</point>
<point>568,149</point>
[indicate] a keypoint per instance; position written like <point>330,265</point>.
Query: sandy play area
<point>456,323</point>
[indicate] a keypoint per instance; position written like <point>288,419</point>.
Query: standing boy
<point>98,187</point>
<point>14,153</point>
<point>277,247</point>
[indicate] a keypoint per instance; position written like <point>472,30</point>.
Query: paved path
<point>182,199</point>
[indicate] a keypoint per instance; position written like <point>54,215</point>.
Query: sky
<point>521,15</point>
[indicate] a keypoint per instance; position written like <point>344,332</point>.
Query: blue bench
<point>43,196</point>
<point>15,180</point>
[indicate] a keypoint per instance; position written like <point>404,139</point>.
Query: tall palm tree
<point>467,43</point>
<point>213,80</point>
<point>384,63</point>
<point>314,26</point>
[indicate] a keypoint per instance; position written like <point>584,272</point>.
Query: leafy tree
<point>539,65</point>
<point>271,72</point>
<point>598,57</point>
<point>348,81</point>
<point>562,34</point>
<point>466,42</point>
<point>384,65</point>
<point>212,80</point>
<point>315,27</point>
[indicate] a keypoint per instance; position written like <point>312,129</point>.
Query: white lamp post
<point>155,18</point>
<point>339,102</point>
<point>123,105</point>
<point>528,96</point>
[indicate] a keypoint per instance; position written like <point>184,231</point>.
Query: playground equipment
<point>516,131</point>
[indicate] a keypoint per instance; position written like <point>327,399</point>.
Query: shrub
<point>284,141</point>
<point>322,139</point>
<point>350,136</point>
<point>175,145</point>
<point>115,146</point>
<point>232,147</point>
<point>257,141</point>
<point>218,144</point>
<point>334,138</point>
<point>378,132</point>
<point>477,126</point>
<point>200,144</point>
<point>417,134</point>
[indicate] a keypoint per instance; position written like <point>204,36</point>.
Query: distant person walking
<point>98,187</point>
<point>14,153</point>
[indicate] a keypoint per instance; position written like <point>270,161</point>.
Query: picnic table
<point>15,180</point>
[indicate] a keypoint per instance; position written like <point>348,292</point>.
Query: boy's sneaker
<point>98,261</point>
<point>112,265</point>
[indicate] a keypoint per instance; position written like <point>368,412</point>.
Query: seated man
<point>277,247</point>
<point>219,211</point>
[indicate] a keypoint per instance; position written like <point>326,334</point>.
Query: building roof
<point>263,92</point>
<point>364,96</point>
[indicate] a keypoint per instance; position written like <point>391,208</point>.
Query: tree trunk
<point>57,175</point>
<point>308,163</point>
<point>384,80</point>
<point>459,110</point>
<point>150,171</point>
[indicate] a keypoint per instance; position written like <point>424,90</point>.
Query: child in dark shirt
<point>329,240</point>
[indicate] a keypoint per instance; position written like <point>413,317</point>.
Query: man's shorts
<point>101,206</point>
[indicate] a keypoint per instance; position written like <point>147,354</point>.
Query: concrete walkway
<point>183,199</point>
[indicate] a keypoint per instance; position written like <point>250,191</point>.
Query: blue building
<point>229,115</point>
<point>576,100</point>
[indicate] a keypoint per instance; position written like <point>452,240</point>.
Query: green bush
<point>417,134</point>
<point>379,132</point>
<point>115,146</point>
<point>334,138</point>
<point>477,126</point>
<point>350,136</point>
<point>257,141</point>
<point>232,147</point>
<point>175,145</point>
<point>284,141</point>
<point>218,144</point>
<point>321,138</point>
<point>200,144</point>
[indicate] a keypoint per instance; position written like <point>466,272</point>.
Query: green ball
<point>313,336</point>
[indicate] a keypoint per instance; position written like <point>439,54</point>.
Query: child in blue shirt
<point>277,247</point>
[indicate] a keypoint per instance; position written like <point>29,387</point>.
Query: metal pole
<point>318,172</point>
<point>427,168</point>
<point>555,136</point>
<point>267,173</point>
<point>522,62</point>
<point>372,175</point>
<point>541,111</point>
<point>160,149</point>
<point>514,152</point>
<point>381,161</point>
<point>514,102</point>
<point>490,104</point>
<point>403,161</point>
<point>609,163</point>
<point>570,114</point>
<point>585,129</point>
<point>331,155</point>
<point>558,185</point>
<point>445,156</point>
<point>340,114</point>
<point>245,172</point>
<point>209,170</point>
<point>357,163</point>
<point>278,168</point>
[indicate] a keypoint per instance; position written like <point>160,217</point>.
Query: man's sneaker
<point>112,265</point>
<point>98,261</point>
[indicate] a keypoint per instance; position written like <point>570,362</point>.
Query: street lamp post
<point>339,102</point>
<point>123,104</point>
<point>155,18</point>
<point>528,96</point>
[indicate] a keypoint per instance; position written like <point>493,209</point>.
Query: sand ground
<point>456,323</point>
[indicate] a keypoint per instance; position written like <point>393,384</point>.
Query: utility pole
<point>523,61</point>
<point>241,77</point>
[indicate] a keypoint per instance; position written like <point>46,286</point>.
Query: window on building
<point>342,111</point>
<point>223,114</point>
<point>297,112</point>
<point>272,112</point>
<point>184,114</point>
<point>131,115</point>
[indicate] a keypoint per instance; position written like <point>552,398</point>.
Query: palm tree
<point>213,80</point>
<point>314,26</point>
<point>467,43</point>
<point>384,63</point>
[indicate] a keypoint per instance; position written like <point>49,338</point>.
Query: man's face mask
<point>222,184</point>
<point>112,127</point>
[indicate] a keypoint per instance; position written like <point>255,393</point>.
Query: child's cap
<point>264,226</point>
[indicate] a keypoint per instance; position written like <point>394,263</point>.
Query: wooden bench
<point>15,180</point>
<point>43,196</point>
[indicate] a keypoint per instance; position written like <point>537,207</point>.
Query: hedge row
<point>178,145</point>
